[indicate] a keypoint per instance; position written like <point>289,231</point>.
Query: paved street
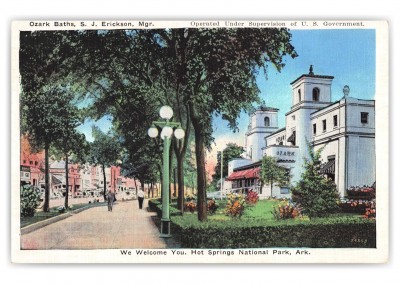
<point>125,227</point>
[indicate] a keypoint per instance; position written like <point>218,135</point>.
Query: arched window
<point>315,94</point>
<point>266,121</point>
<point>299,92</point>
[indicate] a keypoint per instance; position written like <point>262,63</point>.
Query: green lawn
<point>260,214</point>
<point>258,228</point>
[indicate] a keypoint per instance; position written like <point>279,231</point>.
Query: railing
<point>239,190</point>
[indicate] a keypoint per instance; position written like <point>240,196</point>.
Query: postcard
<point>200,141</point>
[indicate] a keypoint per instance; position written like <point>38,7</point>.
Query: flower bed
<point>360,200</point>
<point>357,192</point>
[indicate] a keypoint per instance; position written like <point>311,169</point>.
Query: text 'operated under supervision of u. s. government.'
<point>193,24</point>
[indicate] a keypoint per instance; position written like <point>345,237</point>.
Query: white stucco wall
<point>236,163</point>
<point>257,131</point>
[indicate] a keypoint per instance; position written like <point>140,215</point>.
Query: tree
<point>317,195</point>
<point>215,74</point>
<point>44,114</point>
<point>231,151</point>
<point>71,146</point>
<point>199,72</point>
<point>45,60</point>
<point>272,173</point>
<point>104,151</point>
<point>70,141</point>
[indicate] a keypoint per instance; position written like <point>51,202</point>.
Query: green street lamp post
<point>168,128</point>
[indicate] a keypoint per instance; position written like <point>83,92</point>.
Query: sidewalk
<point>125,227</point>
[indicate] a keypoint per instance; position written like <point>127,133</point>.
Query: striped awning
<point>245,174</point>
<point>328,168</point>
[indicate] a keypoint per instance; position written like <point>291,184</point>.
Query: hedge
<point>318,233</point>
<point>155,205</point>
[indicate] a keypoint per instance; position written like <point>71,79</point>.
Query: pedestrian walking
<point>110,199</point>
<point>140,198</point>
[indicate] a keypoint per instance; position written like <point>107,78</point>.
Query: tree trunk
<point>271,187</point>
<point>104,180</point>
<point>181,193</point>
<point>46,178</point>
<point>134,179</point>
<point>201,173</point>
<point>66,182</point>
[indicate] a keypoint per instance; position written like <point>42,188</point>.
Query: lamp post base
<point>165,229</point>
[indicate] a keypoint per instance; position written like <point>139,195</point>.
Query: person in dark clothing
<point>110,199</point>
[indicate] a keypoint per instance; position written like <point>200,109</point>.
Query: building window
<point>293,117</point>
<point>335,121</point>
<point>36,163</point>
<point>30,162</point>
<point>364,117</point>
<point>299,93</point>
<point>284,190</point>
<point>292,138</point>
<point>24,161</point>
<point>324,125</point>
<point>315,94</point>
<point>314,128</point>
<point>266,121</point>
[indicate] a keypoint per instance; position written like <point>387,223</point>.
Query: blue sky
<point>348,55</point>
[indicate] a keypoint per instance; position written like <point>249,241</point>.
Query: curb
<point>41,224</point>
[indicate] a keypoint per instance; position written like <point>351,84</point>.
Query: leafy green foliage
<point>231,151</point>
<point>272,173</point>
<point>245,233</point>
<point>314,193</point>
<point>30,200</point>
<point>104,150</point>
<point>129,74</point>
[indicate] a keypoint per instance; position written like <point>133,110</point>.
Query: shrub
<point>354,206</point>
<point>30,200</point>
<point>314,193</point>
<point>155,205</point>
<point>190,206</point>
<point>61,209</point>
<point>252,197</point>
<point>235,205</point>
<point>212,206</point>
<point>285,210</point>
<point>370,210</point>
<point>317,233</point>
<point>361,200</point>
<point>361,192</point>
